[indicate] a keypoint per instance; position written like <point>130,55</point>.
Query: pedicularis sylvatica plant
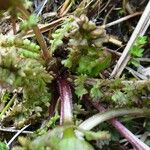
<point>70,64</point>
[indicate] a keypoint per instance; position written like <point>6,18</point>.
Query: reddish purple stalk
<point>136,143</point>
<point>66,116</point>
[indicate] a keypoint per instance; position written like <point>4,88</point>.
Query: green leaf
<point>55,43</point>
<point>147,126</point>
<point>72,60</point>
<point>94,63</point>
<point>137,51</point>
<point>60,33</point>
<point>141,40</point>
<point>135,62</point>
<point>74,143</point>
<point>67,63</point>
<point>3,146</point>
<point>22,69</point>
<point>100,135</point>
<point>120,98</point>
<point>80,91</point>
<point>79,86</point>
<point>33,20</point>
<point>54,141</point>
<point>28,54</point>
<point>27,24</point>
<point>95,91</point>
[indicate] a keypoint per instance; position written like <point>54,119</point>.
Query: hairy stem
<point>46,54</point>
<point>101,117</point>
<point>66,102</point>
<point>138,144</point>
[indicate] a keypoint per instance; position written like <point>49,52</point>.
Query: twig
<point>129,8</point>
<point>113,52</point>
<point>143,59</point>
<point>121,20</point>
<point>13,20</point>
<point>107,15</point>
<point>137,74</point>
<point>17,134</point>
<point>67,9</point>
<point>14,130</point>
<point>105,6</point>
<point>112,40</point>
<point>66,4</point>
<point>40,9</point>
<point>141,26</point>
<point>45,28</point>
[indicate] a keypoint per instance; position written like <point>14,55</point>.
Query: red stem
<point>66,102</point>
<point>136,143</point>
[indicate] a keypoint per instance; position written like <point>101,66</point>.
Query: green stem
<point>46,54</point>
<point>8,106</point>
<point>101,117</point>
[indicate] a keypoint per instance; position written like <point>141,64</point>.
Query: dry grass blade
<point>121,20</point>
<point>41,7</point>
<point>45,28</point>
<point>139,31</point>
<point>12,129</point>
<point>17,134</point>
